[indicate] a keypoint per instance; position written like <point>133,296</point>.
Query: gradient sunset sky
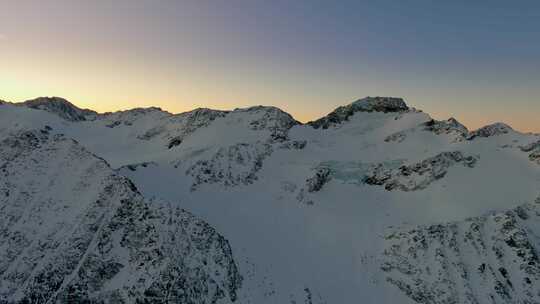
<point>476,60</point>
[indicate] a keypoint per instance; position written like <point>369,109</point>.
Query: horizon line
<point>257,105</point>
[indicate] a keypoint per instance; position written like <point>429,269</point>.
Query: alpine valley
<point>376,202</point>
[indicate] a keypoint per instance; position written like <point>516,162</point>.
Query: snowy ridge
<point>304,207</point>
<point>450,126</point>
<point>60,107</point>
<point>417,176</point>
<point>495,129</point>
<point>88,235</point>
<point>175,128</point>
<point>238,164</point>
<point>235,165</point>
<point>487,259</point>
<point>534,149</point>
<point>368,104</point>
<point>129,117</point>
<point>272,119</point>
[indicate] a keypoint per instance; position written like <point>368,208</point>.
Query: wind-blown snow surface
<point>308,209</point>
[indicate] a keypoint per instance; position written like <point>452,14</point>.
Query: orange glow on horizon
<point>111,83</point>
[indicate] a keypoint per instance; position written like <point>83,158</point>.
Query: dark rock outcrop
<point>314,184</point>
<point>495,129</point>
<point>176,128</point>
<point>450,126</point>
<point>531,146</point>
<point>294,145</point>
<point>135,167</point>
<point>368,104</point>
<point>272,119</point>
<point>129,117</point>
<point>60,107</point>
<point>397,137</point>
<point>535,156</point>
<point>534,151</point>
<point>417,176</point>
<point>239,163</point>
<point>230,166</point>
<point>321,177</point>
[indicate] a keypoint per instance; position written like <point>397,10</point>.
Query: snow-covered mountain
<point>60,107</point>
<point>376,202</point>
<point>73,230</point>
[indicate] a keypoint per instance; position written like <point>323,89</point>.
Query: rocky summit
<point>60,107</point>
<point>368,104</point>
<point>375,202</point>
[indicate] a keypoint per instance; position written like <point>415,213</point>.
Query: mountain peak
<point>139,110</point>
<point>60,107</point>
<point>381,104</point>
<point>367,104</point>
<point>277,116</point>
<point>203,111</point>
<point>498,128</point>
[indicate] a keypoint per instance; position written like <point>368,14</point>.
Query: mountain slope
<point>72,230</point>
<point>487,259</point>
<point>60,107</point>
<point>368,104</point>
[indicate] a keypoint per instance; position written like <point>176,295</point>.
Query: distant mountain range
<point>375,202</point>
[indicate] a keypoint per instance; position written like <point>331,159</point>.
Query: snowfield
<point>374,203</point>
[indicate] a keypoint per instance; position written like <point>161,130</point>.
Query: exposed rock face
<point>239,163</point>
<point>491,130</point>
<point>397,137</point>
<point>194,120</point>
<point>535,156</point>
<point>294,145</point>
<point>368,104</point>
<point>177,127</point>
<point>417,176</point>
<point>135,167</point>
<point>60,107</point>
<point>72,231</point>
<point>531,147</point>
<point>450,126</point>
<point>534,149</point>
<point>488,259</point>
<point>314,184</point>
<point>129,117</point>
<point>231,166</point>
<point>272,119</point>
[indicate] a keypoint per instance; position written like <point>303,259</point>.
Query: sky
<point>478,61</point>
